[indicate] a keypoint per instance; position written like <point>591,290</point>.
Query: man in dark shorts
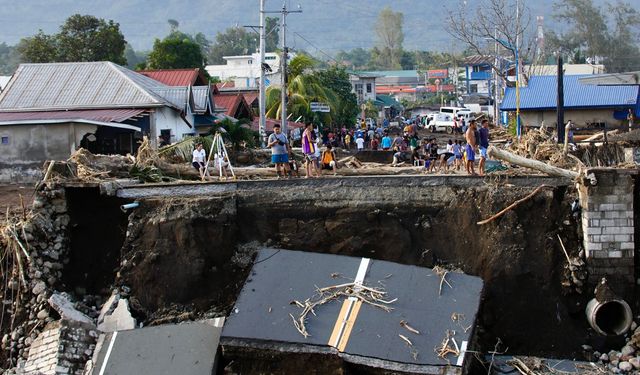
<point>279,151</point>
<point>470,136</point>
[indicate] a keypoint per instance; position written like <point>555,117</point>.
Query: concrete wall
<point>29,146</point>
<point>578,117</point>
<point>167,118</point>
<point>62,348</point>
<point>608,225</point>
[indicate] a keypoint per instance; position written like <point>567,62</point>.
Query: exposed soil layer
<point>185,251</point>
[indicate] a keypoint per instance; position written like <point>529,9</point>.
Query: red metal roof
<point>270,122</point>
<point>250,97</point>
<point>101,115</point>
<point>175,77</point>
<point>230,102</point>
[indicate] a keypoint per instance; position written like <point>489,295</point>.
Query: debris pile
<point>34,250</point>
<point>371,296</point>
<point>627,359</point>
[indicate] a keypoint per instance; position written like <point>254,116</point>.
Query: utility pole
<point>283,63</point>
<point>495,76</point>
<point>560,109</point>
<point>262,99</point>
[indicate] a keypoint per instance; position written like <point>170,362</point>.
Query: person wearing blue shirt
<point>386,142</point>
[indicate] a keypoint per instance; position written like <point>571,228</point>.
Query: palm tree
<point>303,88</point>
<point>236,132</point>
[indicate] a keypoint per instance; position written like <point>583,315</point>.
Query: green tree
<point>390,38</point>
<point>81,38</point>
<point>135,58</point>
<point>357,58</point>
<point>87,38</point>
<point>588,24</point>
<point>9,59</point>
<point>303,88</point>
<point>40,48</point>
<point>176,51</point>
<point>272,38</point>
<point>595,32</point>
<point>234,41</point>
<point>238,133</point>
<point>336,79</point>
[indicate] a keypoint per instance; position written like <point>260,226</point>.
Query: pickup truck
<point>441,122</point>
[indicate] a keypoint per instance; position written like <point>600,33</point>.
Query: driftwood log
<point>529,163</point>
<point>514,205</point>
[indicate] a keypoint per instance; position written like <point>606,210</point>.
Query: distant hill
<point>330,25</point>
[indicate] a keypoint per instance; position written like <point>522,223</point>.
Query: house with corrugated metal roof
<point>47,111</point>
<point>585,105</point>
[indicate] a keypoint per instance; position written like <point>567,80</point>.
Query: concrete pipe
<point>609,318</point>
<point>129,206</point>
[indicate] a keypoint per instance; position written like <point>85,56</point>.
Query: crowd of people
<point>318,153</point>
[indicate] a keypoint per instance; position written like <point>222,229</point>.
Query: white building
<point>363,84</point>
<point>244,70</point>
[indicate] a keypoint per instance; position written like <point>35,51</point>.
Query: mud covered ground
<point>185,258</point>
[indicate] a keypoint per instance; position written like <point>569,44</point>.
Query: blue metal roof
<point>541,93</point>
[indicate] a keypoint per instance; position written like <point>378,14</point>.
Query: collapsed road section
<point>185,252</point>
<point>373,314</point>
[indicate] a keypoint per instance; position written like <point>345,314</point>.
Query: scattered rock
<point>627,350</point>
<point>39,288</point>
<point>625,366</point>
<point>604,357</point>
<point>43,314</point>
<point>635,362</point>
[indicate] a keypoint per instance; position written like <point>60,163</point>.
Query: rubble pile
<point>43,249</point>
<point>623,361</point>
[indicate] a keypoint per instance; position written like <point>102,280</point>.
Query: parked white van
<point>456,111</point>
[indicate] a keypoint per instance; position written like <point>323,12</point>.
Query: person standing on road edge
<point>484,144</point>
<point>309,150</point>
<point>279,145</point>
<point>470,137</point>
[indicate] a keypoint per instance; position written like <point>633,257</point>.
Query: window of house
<point>5,140</point>
<point>270,58</point>
<point>473,88</point>
<point>369,88</point>
<point>477,68</point>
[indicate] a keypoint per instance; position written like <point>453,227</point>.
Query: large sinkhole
<point>196,251</point>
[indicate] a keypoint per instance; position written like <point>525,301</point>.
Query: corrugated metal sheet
<point>78,85</point>
<point>541,93</point>
<point>178,96</point>
<point>229,102</point>
<point>102,115</point>
<point>173,77</point>
<point>202,98</point>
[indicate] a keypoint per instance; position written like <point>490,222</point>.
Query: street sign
<point>319,107</point>
<point>437,73</point>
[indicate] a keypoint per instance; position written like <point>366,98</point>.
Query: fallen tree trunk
<point>529,163</point>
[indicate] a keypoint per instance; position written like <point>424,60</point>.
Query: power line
<point>316,47</point>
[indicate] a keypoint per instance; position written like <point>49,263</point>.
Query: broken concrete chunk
<point>108,307</point>
<point>63,305</point>
<point>120,319</point>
